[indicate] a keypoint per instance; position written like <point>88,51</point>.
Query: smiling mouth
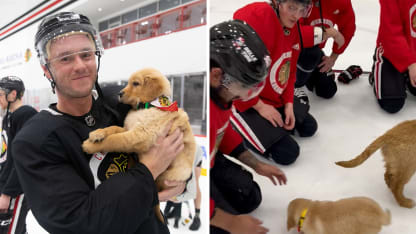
<point>80,77</point>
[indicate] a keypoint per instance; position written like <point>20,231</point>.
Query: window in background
<point>114,22</point>
<point>148,10</point>
<point>123,35</point>
<point>176,83</point>
<point>103,26</point>
<point>129,16</point>
<point>169,22</point>
<point>106,40</point>
<point>129,29</point>
<point>193,98</point>
<point>144,29</point>
<point>167,4</point>
<point>189,92</point>
<point>198,14</point>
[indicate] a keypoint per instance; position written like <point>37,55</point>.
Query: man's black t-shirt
<point>63,185</point>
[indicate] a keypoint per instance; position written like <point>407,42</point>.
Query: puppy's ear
<point>291,213</point>
<point>291,223</point>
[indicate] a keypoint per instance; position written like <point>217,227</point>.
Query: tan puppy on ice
<point>399,151</point>
<point>357,215</point>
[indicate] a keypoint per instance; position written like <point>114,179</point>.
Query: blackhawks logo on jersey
<point>414,22</point>
<point>118,164</point>
<point>104,165</point>
<point>412,16</point>
<point>284,72</point>
<point>3,139</point>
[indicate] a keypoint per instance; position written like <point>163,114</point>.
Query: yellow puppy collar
<point>301,219</point>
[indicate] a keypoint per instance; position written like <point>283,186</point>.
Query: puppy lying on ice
<point>358,215</point>
<point>147,87</point>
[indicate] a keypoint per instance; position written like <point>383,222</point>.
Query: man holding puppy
<point>68,190</point>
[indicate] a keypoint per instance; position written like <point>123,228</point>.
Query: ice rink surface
<point>185,222</point>
<point>347,123</point>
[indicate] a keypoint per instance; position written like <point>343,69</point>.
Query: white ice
<point>185,222</point>
<point>347,124</point>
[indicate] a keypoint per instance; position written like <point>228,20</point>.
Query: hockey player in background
<point>394,67</point>
<point>13,205</point>
<point>314,67</point>
<point>239,63</point>
<point>267,120</point>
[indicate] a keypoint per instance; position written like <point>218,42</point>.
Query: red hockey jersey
<point>284,47</point>
<point>221,137</point>
<point>397,32</point>
<point>334,12</point>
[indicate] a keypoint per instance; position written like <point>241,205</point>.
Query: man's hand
<point>237,224</point>
<point>262,168</point>
<point>165,150</point>
<point>269,112</point>
<point>327,62</point>
<point>175,188</point>
<point>246,224</point>
<point>412,74</point>
<point>271,172</point>
<point>289,117</point>
<point>336,35</point>
<point>4,203</point>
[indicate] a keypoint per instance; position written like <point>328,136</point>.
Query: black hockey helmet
<point>61,24</point>
<point>10,83</point>
<point>237,49</point>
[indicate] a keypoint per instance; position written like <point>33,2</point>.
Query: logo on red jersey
<point>412,19</point>
<point>284,72</point>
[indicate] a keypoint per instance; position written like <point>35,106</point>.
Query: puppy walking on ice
<point>357,215</point>
<point>148,87</point>
<point>399,151</point>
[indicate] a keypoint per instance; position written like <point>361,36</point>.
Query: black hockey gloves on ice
<point>351,73</point>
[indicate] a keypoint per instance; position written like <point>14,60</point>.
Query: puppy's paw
<point>408,203</point>
<point>90,147</point>
<point>97,135</point>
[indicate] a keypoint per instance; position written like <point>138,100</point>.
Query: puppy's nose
<point>121,94</point>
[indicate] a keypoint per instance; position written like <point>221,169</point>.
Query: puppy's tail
<point>373,147</point>
<point>386,220</point>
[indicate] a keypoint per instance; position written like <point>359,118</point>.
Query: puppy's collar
<point>301,219</point>
<point>163,103</point>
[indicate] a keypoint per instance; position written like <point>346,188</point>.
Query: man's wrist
<point>258,105</point>
<point>248,159</point>
<point>222,219</point>
<point>150,169</point>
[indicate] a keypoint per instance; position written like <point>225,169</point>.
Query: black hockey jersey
<point>9,183</point>
<point>63,185</point>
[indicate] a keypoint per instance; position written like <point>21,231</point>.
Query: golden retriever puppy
<point>357,215</point>
<point>143,126</point>
<point>399,151</point>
